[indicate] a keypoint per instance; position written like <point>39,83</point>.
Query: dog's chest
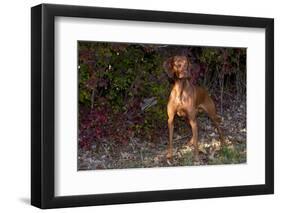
<point>183,104</point>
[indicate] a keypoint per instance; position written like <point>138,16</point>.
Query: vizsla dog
<point>185,100</point>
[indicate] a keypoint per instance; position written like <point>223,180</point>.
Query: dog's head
<point>177,66</point>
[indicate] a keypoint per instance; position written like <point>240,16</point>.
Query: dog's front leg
<point>194,139</point>
<point>171,133</point>
<point>171,115</point>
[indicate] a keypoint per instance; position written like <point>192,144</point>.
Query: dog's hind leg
<point>210,109</point>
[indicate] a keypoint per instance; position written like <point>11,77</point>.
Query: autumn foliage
<point>123,88</point>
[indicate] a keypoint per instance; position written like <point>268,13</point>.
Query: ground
<point>144,154</point>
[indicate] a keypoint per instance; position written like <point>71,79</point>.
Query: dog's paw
<point>190,143</point>
<point>169,156</point>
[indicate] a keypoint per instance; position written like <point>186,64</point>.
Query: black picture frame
<point>43,117</point>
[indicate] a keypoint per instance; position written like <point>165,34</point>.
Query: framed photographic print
<point>139,106</point>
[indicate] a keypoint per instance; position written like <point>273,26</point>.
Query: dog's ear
<point>168,67</point>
